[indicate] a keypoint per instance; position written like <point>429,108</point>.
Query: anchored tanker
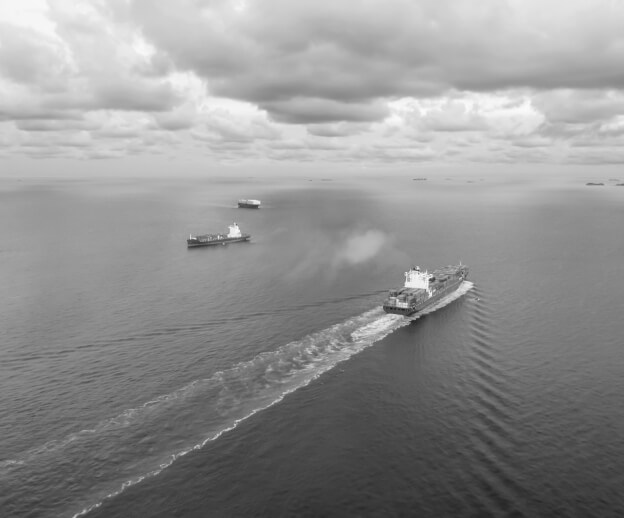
<point>249,204</point>
<point>422,289</point>
<point>233,236</point>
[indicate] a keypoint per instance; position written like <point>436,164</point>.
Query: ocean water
<point>140,378</point>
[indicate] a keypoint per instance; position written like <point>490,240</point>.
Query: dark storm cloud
<point>282,54</point>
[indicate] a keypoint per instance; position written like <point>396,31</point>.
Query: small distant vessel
<point>422,289</point>
<point>249,204</point>
<point>233,236</point>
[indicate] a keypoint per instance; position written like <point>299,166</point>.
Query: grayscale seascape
<point>311,259</point>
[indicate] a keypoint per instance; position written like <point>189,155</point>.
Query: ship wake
<point>141,442</point>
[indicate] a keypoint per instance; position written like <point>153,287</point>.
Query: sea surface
<point>141,378</point>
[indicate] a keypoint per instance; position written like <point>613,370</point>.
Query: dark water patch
<point>477,493</point>
<point>481,327</point>
<point>486,420</point>
<point>495,409</point>
<point>484,360</point>
<point>500,500</point>
<point>489,378</point>
<point>484,353</point>
<point>187,330</point>
<point>499,448</point>
<point>496,403</point>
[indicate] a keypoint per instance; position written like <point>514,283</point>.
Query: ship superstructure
<point>233,236</point>
<point>421,289</point>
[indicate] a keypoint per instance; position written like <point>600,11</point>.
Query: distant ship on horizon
<point>248,204</point>
<point>233,236</point>
<point>421,289</point>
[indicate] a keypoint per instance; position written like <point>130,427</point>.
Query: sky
<point>359,82</point>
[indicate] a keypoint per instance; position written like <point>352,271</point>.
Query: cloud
<point>302,110</point>
<point>340,129</point>
<point>181,118</point>
<point>602,157</point>
<point>533,141</point>
<point>579,106</point>
<point>222,125</point>
<point>55,125</point>
<point>277,49</point>
<point>134,94</point>
<point>280,79</point>
<point>451,116</point>
<point>29,57</point>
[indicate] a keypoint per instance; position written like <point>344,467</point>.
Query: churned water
<point>140,378</point>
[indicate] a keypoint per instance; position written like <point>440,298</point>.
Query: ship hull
<point>248,206</point>
<point>196,243</point>
<point>415,308</point>
<point>413,299</point>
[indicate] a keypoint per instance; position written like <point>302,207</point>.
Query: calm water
<point>139,378</point>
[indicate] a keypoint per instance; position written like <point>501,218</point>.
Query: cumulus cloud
<point>452,116</point>
<point>365,50</point>
<point>29,57</point>
<point>221,125</point>
<point>383,81</point>
<point>579,106</point>
<point>181,118</point>
<point>55,125</point>
<point>340,129</point>
<point>314,110</point>
<point>532,141</point>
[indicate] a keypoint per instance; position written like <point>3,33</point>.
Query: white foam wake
<point>312,356</point>
<point>205,409</point>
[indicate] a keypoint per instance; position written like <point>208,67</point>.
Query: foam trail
<point>139,443</point>
<point>363,336</point>
<point>269,377</point>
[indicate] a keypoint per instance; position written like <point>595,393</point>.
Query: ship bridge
<point>416,279</point>
<point>234,231</point>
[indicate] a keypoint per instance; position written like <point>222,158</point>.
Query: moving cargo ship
<point>249,204</point>
<point>233,236</point>
<point>422,289</point>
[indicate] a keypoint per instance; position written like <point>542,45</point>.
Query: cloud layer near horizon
<point>363,81</point>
